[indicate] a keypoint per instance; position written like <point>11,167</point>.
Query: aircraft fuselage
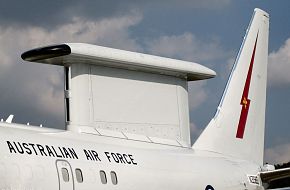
<point>65,160</point>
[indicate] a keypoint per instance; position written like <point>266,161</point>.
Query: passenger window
<point>114,177</point>
<point>79,175</point>
<point>65,175</point>
<point>103,177</point>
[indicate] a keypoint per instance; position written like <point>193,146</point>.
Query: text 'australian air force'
<point>69,153</point>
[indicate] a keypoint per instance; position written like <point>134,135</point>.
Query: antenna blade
<point>9,119</point>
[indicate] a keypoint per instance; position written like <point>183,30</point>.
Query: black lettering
<point>120,158</point>
<point>49,151</point>
<point>28,151</point>
<point>41,150</point>
<point>125,157</point>
<point>46,150</point>
<point>132,159</point>
<point>57,155</point>
<point>61,152</point>
<point>67,155</point>
<point>88,155</point>
<point>96,155</point>
<point>20,149</point>
<point>108,156</point>
<point>115,157</point>
<point>73,153</point>
<point>90,152</point>
<point>32,145</point>
<point>10,146</point>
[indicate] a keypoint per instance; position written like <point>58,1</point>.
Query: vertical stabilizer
<point>238,127</point>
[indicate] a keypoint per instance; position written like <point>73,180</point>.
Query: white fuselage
<point>34,158</point>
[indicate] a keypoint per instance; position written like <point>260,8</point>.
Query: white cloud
<point>194,132</point>
<point>278,154</point>
<point>38,87</point>
<point>197,94</point>
<point>187,46</point>
<point>226,69</point>
<point>109,31</point>
<point>279,65</point>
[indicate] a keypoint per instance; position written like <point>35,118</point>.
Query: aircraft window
<point>103,177</point>
<point>114,177</point>
<point>65,175</point>
<point>79,175</point>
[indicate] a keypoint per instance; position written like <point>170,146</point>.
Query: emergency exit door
<point>65,175</point>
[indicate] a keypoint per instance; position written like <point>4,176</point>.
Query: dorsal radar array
<point>128,92</point>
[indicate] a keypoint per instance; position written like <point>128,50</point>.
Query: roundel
<point>209,187</point>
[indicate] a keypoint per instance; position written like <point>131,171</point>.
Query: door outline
<point>59,173</point>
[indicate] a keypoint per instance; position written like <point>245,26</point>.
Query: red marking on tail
<point>245,101</point>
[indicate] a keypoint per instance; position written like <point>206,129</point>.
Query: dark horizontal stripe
<point>46,52</point>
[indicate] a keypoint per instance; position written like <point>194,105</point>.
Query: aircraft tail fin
<point>237,128</point>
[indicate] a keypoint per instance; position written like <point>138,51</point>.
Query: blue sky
<point>205,31</point>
